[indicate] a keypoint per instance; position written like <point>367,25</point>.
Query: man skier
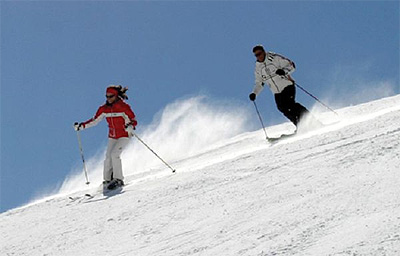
<point>121,120</point>
<point>274,70</point>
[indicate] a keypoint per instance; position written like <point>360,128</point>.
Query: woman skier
<point>121,120</point>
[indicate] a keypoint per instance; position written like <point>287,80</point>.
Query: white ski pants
<point>113,164</point>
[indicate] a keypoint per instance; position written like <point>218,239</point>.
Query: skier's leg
<point>286,104</point>
<point>298,109</point>
<point>108,168</point>
<point>301,112</point>
<point>116,157</point>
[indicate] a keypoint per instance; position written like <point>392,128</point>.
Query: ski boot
<point>116,183</point>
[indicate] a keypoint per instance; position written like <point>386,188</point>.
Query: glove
<point>280,72</point>
<point>78,126</point>
<point>252,96</point>
<point>131,126</point>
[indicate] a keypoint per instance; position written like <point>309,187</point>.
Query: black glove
<point>130,124</point>
<point>78,126</point>
<point>280,72</point>
<point>252,96</point>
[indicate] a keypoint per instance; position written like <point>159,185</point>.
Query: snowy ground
<point>333,191</point>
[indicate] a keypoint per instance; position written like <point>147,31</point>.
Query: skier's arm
<point>95,120</point>
<point>259,84</point>
<point>284,63</point>
<point>129,116</point>
<point>132,117</point>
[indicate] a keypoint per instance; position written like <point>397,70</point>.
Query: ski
<point>282,136</point>
<point>73,199</point>
<point>88,195</point>
<point>76,198</point>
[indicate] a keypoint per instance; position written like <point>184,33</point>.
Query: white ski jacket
<point>265,73</point>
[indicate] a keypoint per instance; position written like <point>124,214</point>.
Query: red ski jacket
<point>117,115</point>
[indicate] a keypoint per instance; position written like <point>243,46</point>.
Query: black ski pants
<point>286,103</point>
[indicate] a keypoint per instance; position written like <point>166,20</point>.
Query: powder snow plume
<point>182,129</point>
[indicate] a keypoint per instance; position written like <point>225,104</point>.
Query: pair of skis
<point>101,190</point>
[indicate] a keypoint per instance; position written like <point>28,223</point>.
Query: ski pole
<point>134,134</point>
<point>83,158</point>
<point>261,121</point>
<point>315,98</point>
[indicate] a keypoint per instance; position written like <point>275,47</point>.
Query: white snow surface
<point>329,191</point>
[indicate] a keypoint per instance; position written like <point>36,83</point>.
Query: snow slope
<point>332,191</point>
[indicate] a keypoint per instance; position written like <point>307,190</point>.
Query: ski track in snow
<point>333,191</point>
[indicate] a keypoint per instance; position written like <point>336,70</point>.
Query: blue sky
<point>57,58</point>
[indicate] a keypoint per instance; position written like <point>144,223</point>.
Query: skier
<point>121,120</point>
<point>275,70</point>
